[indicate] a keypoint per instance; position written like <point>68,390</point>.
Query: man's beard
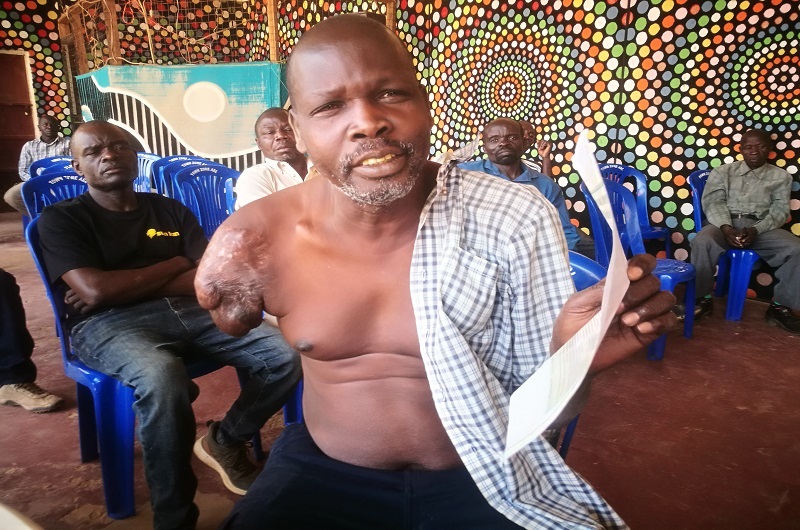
<point>387,190</point>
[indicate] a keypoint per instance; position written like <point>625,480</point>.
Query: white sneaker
<point>29,396</point>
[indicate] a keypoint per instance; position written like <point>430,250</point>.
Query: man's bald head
<point>502,141</point>
<point>760,135</point>
<point>340,31</point>
<point>755,147</point>
<point>274,112</point>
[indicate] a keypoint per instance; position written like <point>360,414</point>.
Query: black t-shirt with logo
<point>78,233</point>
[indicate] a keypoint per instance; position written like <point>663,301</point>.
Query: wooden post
<point>73,18</point>
<point>112,31</point>
<point>391,14</point>
<point>272,25</point>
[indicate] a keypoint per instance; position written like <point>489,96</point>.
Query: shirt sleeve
<point>779,206</point>
<point>25,161</point>
<point>715,198</point>
<point>65,244</point>
<point>254,183</point>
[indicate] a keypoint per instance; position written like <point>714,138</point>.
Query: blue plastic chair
<point>230,195</point>
<point>735,266</point>
<point>670,272</point>
<point>620,173</point>
<point>44,190</point>
<point>39,165</point>
<point>105,406</point>
<point>164,184</point>
<point>202,190</point>
<point>59,168</point>
<point>144,182</point>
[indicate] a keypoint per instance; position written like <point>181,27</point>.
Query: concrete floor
<point>706,439</point>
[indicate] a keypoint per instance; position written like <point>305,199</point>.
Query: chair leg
<point>721,284</point>
<point>87,425</point>
<point>741,266</point>
<point>115,424</point>
<point>293,409</point>
<point>568,433</point>
<point>655,352</point>
<point>688,303</point>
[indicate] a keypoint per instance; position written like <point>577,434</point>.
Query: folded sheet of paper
<point>539,401</point>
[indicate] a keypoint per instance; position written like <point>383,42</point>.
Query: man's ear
<point>298,136</point>
<point>76,165</point>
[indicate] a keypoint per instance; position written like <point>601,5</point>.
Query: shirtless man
<point>393,278</point>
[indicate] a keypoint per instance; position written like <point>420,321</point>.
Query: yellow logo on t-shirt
<point>152,232</point>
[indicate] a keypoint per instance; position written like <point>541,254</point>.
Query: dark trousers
<point>16,344</point>
<point>302,488</point>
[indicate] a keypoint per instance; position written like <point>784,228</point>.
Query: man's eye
<point>327,107</point>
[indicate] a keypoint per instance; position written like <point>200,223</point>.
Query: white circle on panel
<point>204,101</point>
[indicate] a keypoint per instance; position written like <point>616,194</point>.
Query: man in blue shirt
<point>503,143</point>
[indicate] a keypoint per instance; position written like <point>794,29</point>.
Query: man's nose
<point>368,120</point>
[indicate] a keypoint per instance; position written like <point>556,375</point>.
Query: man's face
<point>103,155</point>
<point>528,135</point>
<point>502,142</point>
<point>755,150</point>
<point>362,116</point>
<point>275,138</point>
<point>48,127</point>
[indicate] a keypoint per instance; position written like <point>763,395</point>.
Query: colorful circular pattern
<point>666,86</point>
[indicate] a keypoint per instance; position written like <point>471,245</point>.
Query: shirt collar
<point>527,174</point>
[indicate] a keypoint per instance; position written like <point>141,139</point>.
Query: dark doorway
<point>17,116</point>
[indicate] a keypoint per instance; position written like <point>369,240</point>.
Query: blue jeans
<point>303,488</point>
<point>144,346</point>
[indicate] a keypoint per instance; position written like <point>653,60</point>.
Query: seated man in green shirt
<point>746,203</point>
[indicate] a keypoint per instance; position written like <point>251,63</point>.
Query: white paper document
<point>539,401</point>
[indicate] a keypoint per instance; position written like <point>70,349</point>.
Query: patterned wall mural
<point>666,85</point>
<point>31,26</point>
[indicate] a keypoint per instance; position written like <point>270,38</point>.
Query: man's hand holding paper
<point>644,314</point>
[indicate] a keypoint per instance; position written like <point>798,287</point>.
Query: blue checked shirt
<point>489,275</point>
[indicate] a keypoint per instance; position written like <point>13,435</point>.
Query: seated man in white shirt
<point>284,166</point>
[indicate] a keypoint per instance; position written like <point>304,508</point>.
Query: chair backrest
<point>59,168</point>
<point>54,293</point>
<point>144,182</point>
<point>623,205</point>
<point>584,271</point>
<point>39,165</point>
<point>697,183</point>
<point>202,190</point>
<point>44,190</point>
<point>163,185</point>
<point>620,173</point>
<point>230,195</point>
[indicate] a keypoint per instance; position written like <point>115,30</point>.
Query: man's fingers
<point>651,308</point>
<point>659,325</point>
<point>640,265</point>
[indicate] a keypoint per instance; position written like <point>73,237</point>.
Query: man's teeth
<point>376,161</point>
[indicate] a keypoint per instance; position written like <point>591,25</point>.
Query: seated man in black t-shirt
<point>128,261</point>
